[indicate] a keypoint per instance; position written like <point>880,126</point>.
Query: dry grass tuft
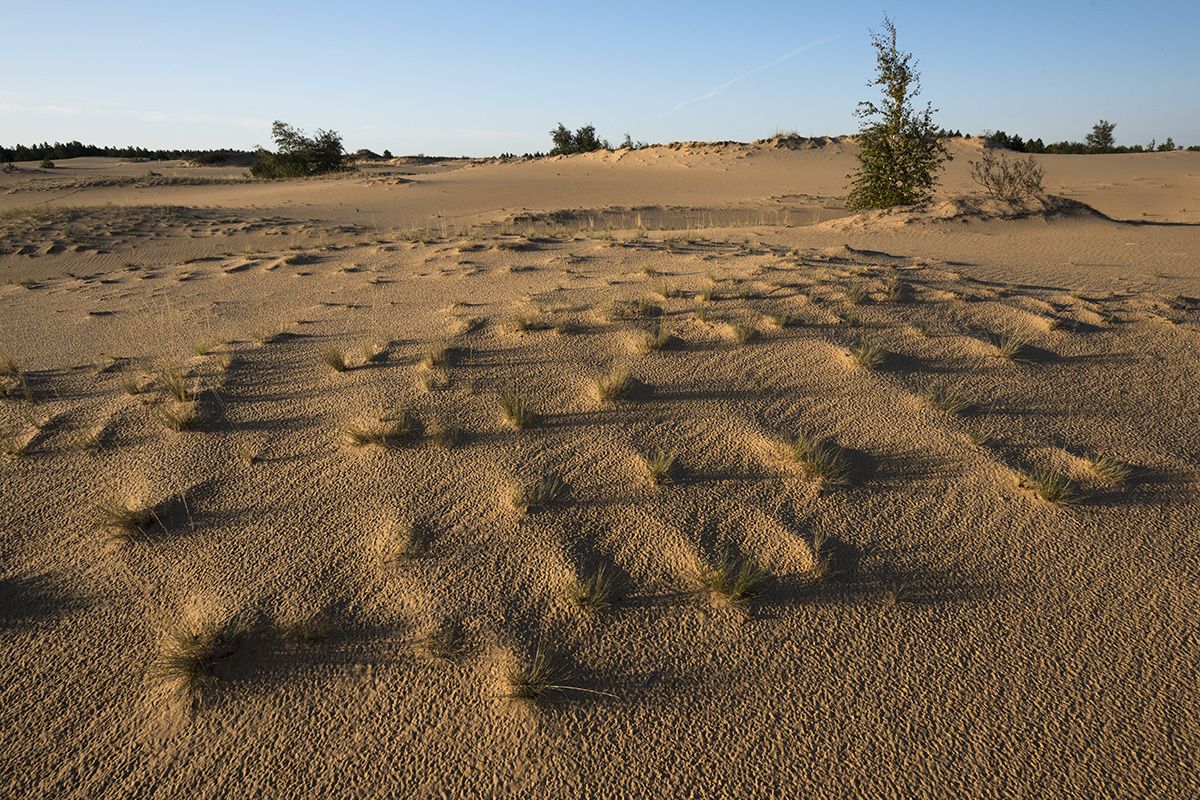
<point>14,444</point>
<point>518,410</point>
<point>613,384</point>
<point>1013,348</point>
<point>784,319</point>
<point>398,428</point>
<point>189,653</point>
<point>658,339</point>
<point>122,522</point>
<point>592,592</point>
<point>824,564</point>
<point>868,356</point>
<point>663,467</point>
<point>335,359</point>
<point>733,579</point>
<point>944,398</point>
<point>178,417</point>
<point>819,459</point>
<point>441,356</point>
<point>177,384</point>
<point>9,365</point>
<point>1052,487</point>
<point>1109,469</point>
<point>742,333</point>
<point>544,493</point>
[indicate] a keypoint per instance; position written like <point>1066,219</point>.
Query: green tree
<point>297,155</point>
<point>899,152</point>
<point>1100,140</point>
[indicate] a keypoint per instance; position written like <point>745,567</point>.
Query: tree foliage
<point>298,156</point>
<point>900,153</point>
<point>1101,140</point>
<point>1007,178</point>
<point>583,140</point>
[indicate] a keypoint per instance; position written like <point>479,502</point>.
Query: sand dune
<point>954,448</point>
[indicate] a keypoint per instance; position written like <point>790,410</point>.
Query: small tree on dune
<point>1100,140</point>
<point>298,156</point>
<point>899,152</point>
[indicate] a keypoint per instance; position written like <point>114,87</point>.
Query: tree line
<point>57,150</point>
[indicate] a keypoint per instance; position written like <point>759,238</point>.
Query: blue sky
<point>481,78</point>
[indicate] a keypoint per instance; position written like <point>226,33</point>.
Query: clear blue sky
<point>481,78</point>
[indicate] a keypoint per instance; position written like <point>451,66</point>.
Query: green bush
<point>583,140</point>
<point>47,164</point>
<point>299,156</point>
<point>899,152</point>
<point>1007,178</point>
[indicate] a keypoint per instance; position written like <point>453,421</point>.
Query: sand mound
<point>966,210</point>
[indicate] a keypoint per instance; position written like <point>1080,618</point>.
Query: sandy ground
<point>927,626</point>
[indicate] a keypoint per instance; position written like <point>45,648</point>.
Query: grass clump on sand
<point>663,467</point>
<point>392,431</point>
<point>613,384</point>
<point>819,459</point>
<point>1053,487</point>
<point>122,521</point>
<point>732,579</point>
<point>784,319</point>
<point>944,398</point>
<point>177,417</point>
<point>867,356</point>
<point>546,492</point>
<point>1109,469</point>
<point>518,410</point>
<point>177,384</point>
<point>9,365</point>
<point>743,334</point>
<point>1012,348</point>
<point>188,656</point>
<point>824,565</point>
<point>13,444</point>
<point>335,359</point>
<point>658,339</point>
<point>592,592</point>
<point>533,679</point>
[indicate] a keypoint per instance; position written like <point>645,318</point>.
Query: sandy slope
<point>1037,649</point>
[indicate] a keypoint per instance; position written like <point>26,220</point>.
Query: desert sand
<point>921,621</point>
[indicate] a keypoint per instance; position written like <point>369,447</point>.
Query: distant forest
<point>45,150</point>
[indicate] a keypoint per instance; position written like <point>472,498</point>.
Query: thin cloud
<point>721,87</point>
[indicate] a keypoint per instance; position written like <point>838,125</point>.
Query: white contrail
<point>719,88</point>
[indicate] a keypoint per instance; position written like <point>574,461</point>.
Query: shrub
<point>581,141</point>
<point>899,149</point>
<point>47,164</point>
<point>298,156</point>
<point>1004,178</point>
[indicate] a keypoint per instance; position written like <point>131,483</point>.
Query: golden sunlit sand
<point>640,473</point>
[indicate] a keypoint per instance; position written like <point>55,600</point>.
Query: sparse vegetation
<point>613,384</point>
<point>396,429</point>
<point>1006,178</point>
<point>1053,487</point>
<point>300,156</point>
<point>867,356</point>
<point>189,653</point>
<point>733,579</point>
<point>658,339</point>
<point>900,153</point>
<point>544,493</point>
<point>948,399</point>
<point>1109,469</point>
<point>178,417</point>
<point>662,466</point>
<point>177,384</point>
<point>122,521</point>
<point>335,359</point>
<point>592,592</point>
<point>518,410</point>
<point>1013,348</point>
<point>743,333</point>
<point>819,459</point>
